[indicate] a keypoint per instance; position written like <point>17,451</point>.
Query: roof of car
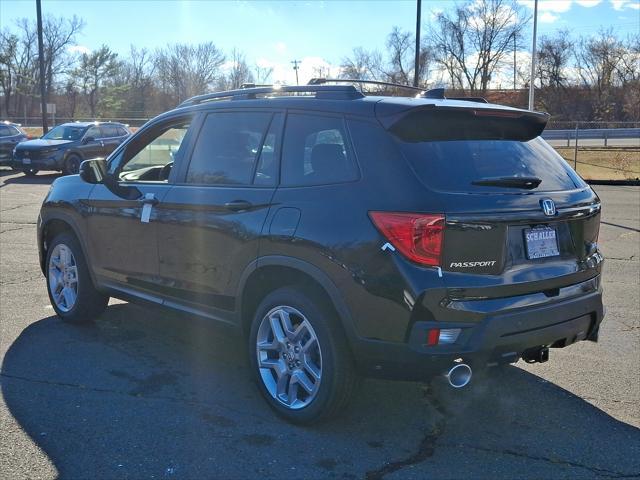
<point>321,96</point>
<point>87,124</point>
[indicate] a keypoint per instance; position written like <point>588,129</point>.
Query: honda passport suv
<point>342,234</point>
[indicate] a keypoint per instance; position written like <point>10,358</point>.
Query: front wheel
<point>300,358</point>
<point>71,291</point>
<point>72,164</point>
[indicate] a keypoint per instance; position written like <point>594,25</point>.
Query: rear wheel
<point>71,291</point>
<point>299,357</point>
<point>30,172</point>
<point>72,164</point>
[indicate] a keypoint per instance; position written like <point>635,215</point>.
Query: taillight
<point>417,236</point>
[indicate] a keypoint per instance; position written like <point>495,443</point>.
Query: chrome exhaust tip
<point>459,375</point>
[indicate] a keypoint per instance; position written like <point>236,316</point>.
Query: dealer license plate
<point>541,242</point>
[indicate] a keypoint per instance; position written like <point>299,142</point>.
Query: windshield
<point>462,165</point>
<point>65,132</point>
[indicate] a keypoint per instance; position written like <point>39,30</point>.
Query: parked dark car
<point>341,234</point>
<point>10,135</point>
<point>65,146</point>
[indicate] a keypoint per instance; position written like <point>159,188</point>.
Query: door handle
<point>238,205</point>
<point>150,199</point>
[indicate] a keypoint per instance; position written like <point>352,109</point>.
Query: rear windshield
<point>454,165</point>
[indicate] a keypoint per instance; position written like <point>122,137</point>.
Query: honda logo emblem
<point>548,207</point>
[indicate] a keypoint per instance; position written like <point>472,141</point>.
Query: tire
<point>61,270</point>
<point>329,358</point>
<point>30,172</point>
<point>72,164</point>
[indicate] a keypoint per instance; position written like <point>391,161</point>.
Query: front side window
<point>65,132</point>
<point>150,157</point>
<point>228,147</point>
<point>315,152</point>
<point>5,131</point>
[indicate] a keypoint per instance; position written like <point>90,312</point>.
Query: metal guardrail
<point>603,134</point>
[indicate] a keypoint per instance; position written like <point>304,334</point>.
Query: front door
<point>210,222</point>
<point>123,227</point>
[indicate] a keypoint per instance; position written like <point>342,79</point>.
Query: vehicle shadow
<point>140,393</point>
<point>21,179</point>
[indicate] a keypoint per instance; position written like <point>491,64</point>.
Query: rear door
<point>211,220</point>
<point>110,139</point>
<point>516,213</point>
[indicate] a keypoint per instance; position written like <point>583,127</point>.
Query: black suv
<point>341,233</point>
<point>64,147</point>
<point>11,134</point>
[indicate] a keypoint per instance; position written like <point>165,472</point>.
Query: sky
<point>272,33</point>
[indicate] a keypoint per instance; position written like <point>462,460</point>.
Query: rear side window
<point>456,164</point>
<point>228,147</point>
<point>109,131</point>
<point>316,152</point>
<point>122,132</point>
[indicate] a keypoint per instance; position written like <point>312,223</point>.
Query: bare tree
<point>58,35</point>
<point>262,74</point>
<point>554,58</point>
<point>238,73</point>
<point>187,70</point>
<point>362,65</point>
<point>472,41</point>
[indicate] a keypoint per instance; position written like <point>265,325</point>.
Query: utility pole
<point>533,55</point>
<point>514,61</point>
<point>416,70</point>
<point>296,66</point>
<point>43,98</point>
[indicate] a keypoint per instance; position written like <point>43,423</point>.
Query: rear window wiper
<point>513,182</point>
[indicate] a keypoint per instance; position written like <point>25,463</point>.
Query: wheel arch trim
<point>307,268</point>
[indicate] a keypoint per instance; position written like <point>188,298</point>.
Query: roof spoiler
<point>443,123</point>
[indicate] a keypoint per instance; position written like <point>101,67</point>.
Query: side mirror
<point>93,171</point>
<point>86,140</point>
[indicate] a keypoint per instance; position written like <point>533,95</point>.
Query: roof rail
<point>343,92</point>
<point>321,81</point>
<point>436,93</point>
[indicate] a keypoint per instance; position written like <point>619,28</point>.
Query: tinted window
<point>315,151</point>
<point>13,131</point>
<point>227,148</point>
<point>109,131</point>
<point>122,132</point>
<point>4,131</point>
<point>455,165</point>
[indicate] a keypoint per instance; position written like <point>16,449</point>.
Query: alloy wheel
<point>63,277</point>
<point>289,357</point>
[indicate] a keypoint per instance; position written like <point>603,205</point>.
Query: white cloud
<point>588,3</point>
<point>555,6</point>
<point>548,17</point>
<point>622,4</point>
<point>79,49</point>
<point>281,47</point>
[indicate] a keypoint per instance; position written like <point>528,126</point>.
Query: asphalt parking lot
<point>141,393</point>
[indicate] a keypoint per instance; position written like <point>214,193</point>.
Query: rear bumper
<point>499,337</point>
